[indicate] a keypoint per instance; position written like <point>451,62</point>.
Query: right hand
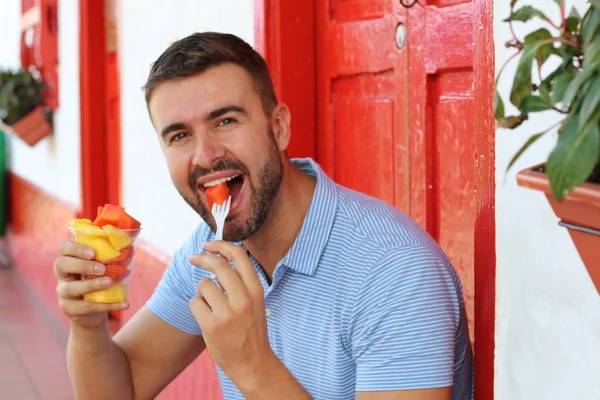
<point>77,260</point>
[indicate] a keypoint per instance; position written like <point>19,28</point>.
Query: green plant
<point>20,92</point>
<point>571,88</point>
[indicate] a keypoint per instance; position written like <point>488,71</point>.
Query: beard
<point>262,193</point>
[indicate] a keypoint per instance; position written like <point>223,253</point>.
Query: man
<point>332,294</point>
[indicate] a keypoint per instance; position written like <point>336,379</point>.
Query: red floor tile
<point>32,346</point>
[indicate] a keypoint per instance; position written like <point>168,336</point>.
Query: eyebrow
<point>211,115</point>
<point>224,110</point>
<point>170,128</point>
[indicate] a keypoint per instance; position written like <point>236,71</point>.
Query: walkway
<point>32,346</point>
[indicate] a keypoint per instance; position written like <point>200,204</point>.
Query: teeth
<point>213,183</point>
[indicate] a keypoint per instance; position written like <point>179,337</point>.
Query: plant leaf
<point>499,106</point>
<point>560,83</point>
<point>545,50</point>
<point>545,90</point>
<point>511,122</point>
<point>526,13</point>
<point>590,24</point>
<point>573,20</point>
<point>574,13</point>
<point>590,102</point>
<point>573,24</point>
<point>592,53</point>
<point>527,144</point>
<point>522,85</point>
<point>533,104</point>
<point>575,85</point>
<point>574,157</point>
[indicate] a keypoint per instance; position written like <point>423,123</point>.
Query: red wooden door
<point>100,106</point>
<point>395,121</point>
<point>362,122</point>
<point>442,155</point>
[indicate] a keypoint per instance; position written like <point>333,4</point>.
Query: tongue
<point>235,186</point>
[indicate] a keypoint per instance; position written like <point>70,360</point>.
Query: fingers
<point>239,258</point>
<point>212,295</point>
<point>76,308</point>
<point>76,261</point>
<point>76,289</point>
<point>201,312</point>
<point>228,279</point>
<point>74,249</point>
<point>67,265</point>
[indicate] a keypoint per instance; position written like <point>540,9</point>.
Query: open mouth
<point>234,183</point>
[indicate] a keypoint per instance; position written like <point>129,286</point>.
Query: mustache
<point>222,165</point>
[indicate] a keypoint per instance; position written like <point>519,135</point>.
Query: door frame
<point>100,147</point>
<point>282,27</point>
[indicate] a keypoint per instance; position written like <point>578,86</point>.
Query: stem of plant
<point>512,32</point>
<point>507,61</point>
<point>555,125</point>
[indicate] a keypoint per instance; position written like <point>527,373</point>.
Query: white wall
<point>147,29</point>
<point>53,164</point>
<point>547,310</point>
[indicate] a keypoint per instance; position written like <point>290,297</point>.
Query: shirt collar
<point>305,253</point>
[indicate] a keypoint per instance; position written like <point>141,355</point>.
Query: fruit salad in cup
<point>112,235</point>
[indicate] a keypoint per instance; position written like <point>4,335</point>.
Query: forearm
<point>271,381</point>
<point>97,366</point>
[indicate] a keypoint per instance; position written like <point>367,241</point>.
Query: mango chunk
<point>117,293</point>
<point>104,250</point>
<point>117,238</point>
<point>81,223</point>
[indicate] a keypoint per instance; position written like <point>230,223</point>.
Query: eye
<point>226,121</point>
<point>178,136</point>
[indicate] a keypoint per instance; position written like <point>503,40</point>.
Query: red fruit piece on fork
<point>217,194</point>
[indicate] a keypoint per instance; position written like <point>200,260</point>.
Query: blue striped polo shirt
<point>364,300</point>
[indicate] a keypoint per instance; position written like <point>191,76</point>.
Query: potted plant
<point>22,110</point>
<point>570,178</point>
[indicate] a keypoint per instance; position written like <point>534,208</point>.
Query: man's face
<point>212,126</point>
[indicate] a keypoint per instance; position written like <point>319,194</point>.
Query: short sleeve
<point>404,323</point>
<point>170,300</point>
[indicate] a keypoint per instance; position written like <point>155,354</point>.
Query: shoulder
<point>379,225</point>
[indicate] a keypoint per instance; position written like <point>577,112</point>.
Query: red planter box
<point>31,128</point>
<point>579,213</point>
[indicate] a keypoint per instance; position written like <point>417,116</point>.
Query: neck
<point>277,235</point>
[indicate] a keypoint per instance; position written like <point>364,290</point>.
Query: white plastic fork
<point>220,212</point>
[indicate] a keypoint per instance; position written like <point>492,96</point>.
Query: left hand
<point>232,319</point>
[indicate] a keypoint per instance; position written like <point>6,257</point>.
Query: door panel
<point>362,140</point>
<point>442,156</point>
<point>398,130</point>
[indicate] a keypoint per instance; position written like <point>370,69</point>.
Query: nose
<point>208,150</point>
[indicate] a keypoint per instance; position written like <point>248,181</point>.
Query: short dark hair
<point>200,51</point>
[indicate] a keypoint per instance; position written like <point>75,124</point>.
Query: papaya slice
<point>124,258</point>
<point>109,215</point>
<point>117,272</point>
<point>217,194</point>
<point>126,221</point>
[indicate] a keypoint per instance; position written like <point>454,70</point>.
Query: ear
<point>280,123</point>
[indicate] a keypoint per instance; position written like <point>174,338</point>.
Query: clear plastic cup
<point>115,249</point>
